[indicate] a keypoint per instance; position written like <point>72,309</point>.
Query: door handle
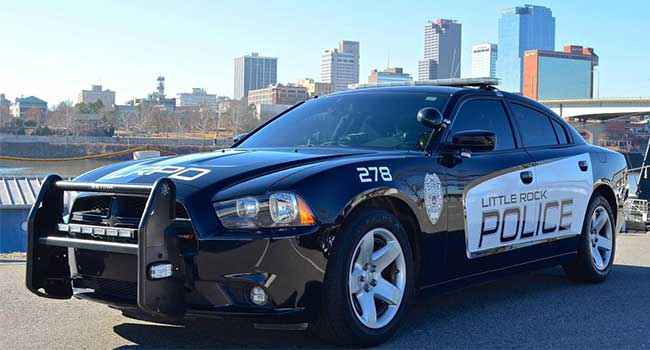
<point>583,165</point>
<point>526,177</point>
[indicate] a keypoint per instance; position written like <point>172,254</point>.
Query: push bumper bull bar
<point>48,269</point>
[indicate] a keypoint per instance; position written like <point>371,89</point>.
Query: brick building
<point>552,75</point>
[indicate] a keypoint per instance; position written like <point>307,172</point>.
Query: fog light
<point>258,296</point>
<point>160,270</point>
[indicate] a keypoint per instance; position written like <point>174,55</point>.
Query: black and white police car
<point>335,213</point>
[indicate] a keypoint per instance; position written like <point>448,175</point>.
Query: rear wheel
<point>369,281</point>
<point>597,244</point>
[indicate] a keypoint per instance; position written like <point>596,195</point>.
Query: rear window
<point>561,132</point>
<point>535,127</point>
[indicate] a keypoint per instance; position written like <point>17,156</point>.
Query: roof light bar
<point>454,82</point>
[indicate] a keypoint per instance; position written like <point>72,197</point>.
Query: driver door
<point>479,187</point>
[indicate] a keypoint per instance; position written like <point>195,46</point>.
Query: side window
<point>487,115</point>
<point>535,127</point>
<point>560,131</point>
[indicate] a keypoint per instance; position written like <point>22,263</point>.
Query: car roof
<point>452,90</point>
<point>405,88</point>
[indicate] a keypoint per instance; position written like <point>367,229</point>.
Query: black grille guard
<point>48,270</point>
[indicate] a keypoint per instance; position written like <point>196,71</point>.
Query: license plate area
<point>152,244</point>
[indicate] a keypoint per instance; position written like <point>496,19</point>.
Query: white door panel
<point>504,213</point>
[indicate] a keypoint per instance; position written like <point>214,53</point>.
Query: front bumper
<point>210,278</point>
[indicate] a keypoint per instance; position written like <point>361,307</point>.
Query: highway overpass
<point>599,108</point>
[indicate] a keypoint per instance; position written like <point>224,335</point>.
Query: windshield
<point>382,120</point>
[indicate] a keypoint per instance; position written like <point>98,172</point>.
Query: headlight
<point>283,207</point>
<point>280,209</point>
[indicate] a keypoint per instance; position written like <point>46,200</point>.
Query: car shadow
<point>533,310</point>
<point>212,334</point>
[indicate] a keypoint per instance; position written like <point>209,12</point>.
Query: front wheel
<point>369,281</point>
<point>597,244</point>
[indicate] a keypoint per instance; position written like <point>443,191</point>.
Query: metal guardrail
<point>19,192</point>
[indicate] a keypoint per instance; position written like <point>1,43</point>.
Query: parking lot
<point>535,310</point>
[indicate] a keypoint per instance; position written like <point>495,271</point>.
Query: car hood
<point>203,169</point>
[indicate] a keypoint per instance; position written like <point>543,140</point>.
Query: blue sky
<point>53,49</point>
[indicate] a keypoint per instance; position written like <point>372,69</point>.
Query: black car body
<point>500,185</point>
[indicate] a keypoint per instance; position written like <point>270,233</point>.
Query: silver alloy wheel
<point>600,238</point>
<point>377,278</point>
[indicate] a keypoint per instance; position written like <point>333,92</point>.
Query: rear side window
<point>535,127</point>
<point>560,131</point>
<point>487,115</point>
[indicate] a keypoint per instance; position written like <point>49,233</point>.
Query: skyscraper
<point>340,66</point>
<point>442,39</point>
<point>254,72</point>
<point>522,28</point>
<point>484,60</point>
<point>568,74</point>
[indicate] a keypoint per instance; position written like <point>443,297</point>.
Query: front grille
<point>110,288</point>
<point>113,211</point>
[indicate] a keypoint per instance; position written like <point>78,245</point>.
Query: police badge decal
<point>432,197</point>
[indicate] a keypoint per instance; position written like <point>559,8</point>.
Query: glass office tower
<point>522,28</point>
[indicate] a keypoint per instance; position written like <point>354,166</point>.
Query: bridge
<point>599,108</point>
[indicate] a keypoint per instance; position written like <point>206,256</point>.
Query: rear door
<point>561,169</point>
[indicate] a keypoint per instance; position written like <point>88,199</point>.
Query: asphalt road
<point>535,310</point>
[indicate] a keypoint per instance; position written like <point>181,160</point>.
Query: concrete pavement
<point>535,310</point>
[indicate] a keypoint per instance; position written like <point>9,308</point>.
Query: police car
<point>335,213</point>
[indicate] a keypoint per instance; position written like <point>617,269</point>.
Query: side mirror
<point>474,140</point>
<point>430,117</point>
<point>238,137</point>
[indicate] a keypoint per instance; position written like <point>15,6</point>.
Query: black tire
<point>337,322</point>
<point>582,269</point>
<point>58,289</point>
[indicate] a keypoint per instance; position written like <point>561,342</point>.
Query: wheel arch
<point>390,201</point>
<point>604,189</point>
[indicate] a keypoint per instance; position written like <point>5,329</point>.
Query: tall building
<point>552,75</point>
<point>388,75</point>
<point>520,29</point>
<point>442,48</point>
<point>254,72</point>
<point>340,66</point>
<point>278,94</point>
<point>315,88</point>
<point>198,97</point>
<point>484,60</point>
<point>96,93</point>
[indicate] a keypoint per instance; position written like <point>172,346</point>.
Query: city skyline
<point>128,45</point>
